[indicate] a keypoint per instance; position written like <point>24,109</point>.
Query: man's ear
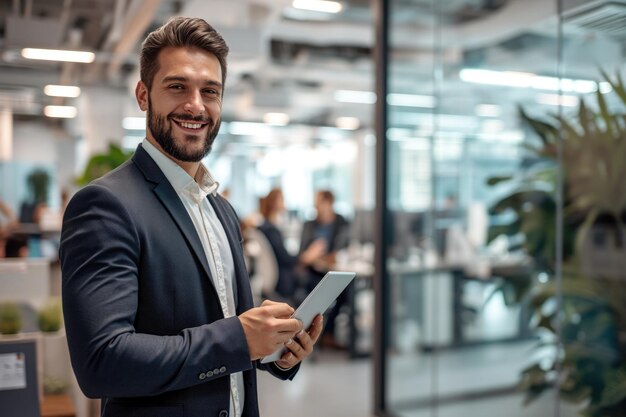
<point>141,94</point>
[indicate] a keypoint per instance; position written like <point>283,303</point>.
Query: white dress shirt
<point>193,194</point>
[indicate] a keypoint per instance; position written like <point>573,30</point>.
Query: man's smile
<point>190,126</point>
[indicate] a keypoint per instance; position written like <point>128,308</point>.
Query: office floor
<point>334,386</point>
<point>330,386</point>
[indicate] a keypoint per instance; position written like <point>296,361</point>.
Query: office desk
<point>432,300</point>
<point>58,405</point>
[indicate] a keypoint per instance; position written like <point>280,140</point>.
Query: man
<point>333,231</point>
<point>156,298</point>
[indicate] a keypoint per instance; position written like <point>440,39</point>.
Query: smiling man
<point>156,298</point>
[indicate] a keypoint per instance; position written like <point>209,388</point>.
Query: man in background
<point>333,231</point>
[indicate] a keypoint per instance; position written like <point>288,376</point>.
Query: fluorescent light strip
<point>557,100</point>
<point>353,96</point>
<point>488,110</point>
<point>323,6</point>
<point>394,99</point>
<point>247,128</point>
<point>63,112</point>
<point>276,119</point>
<point>505,78</point>
<point>347,123</point>
<point>530,80</point>
<point>61,91</point>
<point>58,55</point>
<point>411,100</point>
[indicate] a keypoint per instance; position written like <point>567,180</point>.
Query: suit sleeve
<point>99,253</point>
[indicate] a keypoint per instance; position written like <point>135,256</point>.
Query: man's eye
<point>176,87</point>
<point>211,91</point>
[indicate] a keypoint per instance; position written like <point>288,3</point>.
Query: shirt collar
<point>203,185</point>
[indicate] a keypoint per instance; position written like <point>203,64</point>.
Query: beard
<point>161,128</point>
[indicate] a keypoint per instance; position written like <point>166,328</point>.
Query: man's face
<point>184,103</point>
<point>321,204</point>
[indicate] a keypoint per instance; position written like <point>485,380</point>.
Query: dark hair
<point>268,203</point>
<point>326,195</point>
<point>180,32</point>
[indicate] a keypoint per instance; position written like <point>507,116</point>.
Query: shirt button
<point>202,376</point>
<point>223,413</point>
<point>223,369</point>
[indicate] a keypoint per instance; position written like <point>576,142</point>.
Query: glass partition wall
<point>501,202</point>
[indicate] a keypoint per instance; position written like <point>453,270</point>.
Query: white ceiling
<point>284,60</point>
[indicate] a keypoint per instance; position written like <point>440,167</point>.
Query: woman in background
<point>272,207</point>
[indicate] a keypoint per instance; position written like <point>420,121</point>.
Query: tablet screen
<point>317,302</point>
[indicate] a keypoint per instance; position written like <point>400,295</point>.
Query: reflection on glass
<point>592,356</point>
<point>477,225</point>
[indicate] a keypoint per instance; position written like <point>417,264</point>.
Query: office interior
<point>485,192</point>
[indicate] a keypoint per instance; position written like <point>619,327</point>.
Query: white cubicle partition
<point>25,280</point>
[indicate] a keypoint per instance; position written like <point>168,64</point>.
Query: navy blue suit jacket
<point>144,324</point>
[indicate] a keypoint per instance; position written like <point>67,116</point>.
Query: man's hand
<point>268,327</point>
<point>315,251</point>
<point>301,346</point>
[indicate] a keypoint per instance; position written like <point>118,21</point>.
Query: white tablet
<point>317,302</point>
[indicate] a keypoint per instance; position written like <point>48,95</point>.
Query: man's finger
<point>279,310</point>
<point>292,326</point>
<point>316,328</point>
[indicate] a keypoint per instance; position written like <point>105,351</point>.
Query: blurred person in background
<point>8,220</point>
<point>16,246</point>
<point>8,224</point>
<point>272,208</point>
<point>333,231</point>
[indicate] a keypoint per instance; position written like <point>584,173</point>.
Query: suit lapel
<point>170,200</point>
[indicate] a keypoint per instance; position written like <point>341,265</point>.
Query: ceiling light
<point>605,87</point>
<point>492,126</point>
<point>58,55</point>
<point>276,119</point>
<point>64,112</point>
<point>61,91</point>
<point>488,110</point>
<point>507,78</point>
<point>558,100</point>
<point>411,100</point>
<point>247,128</point>
<point>323,6</point>
<point>353,96</point>
<point>347,123</point>
<point>134,123</point>
<point>530,80</point>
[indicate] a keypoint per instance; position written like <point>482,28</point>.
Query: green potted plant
<point>50,316</point>
<point>100,164</point>
<point>584,338</point>
<point>39,183</point>
<point>10,318</point>
<point>56,361</point>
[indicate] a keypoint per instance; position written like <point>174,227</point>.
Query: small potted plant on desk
<point>56,365</point>
<point>10,318</point>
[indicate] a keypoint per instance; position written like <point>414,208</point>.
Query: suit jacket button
<point>223,413</point>
<point>202,376</point>
<point>223,369</point>
<point>209,374</point>
<point>216,371</point>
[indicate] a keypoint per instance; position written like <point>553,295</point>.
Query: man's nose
<point>194,104</point>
